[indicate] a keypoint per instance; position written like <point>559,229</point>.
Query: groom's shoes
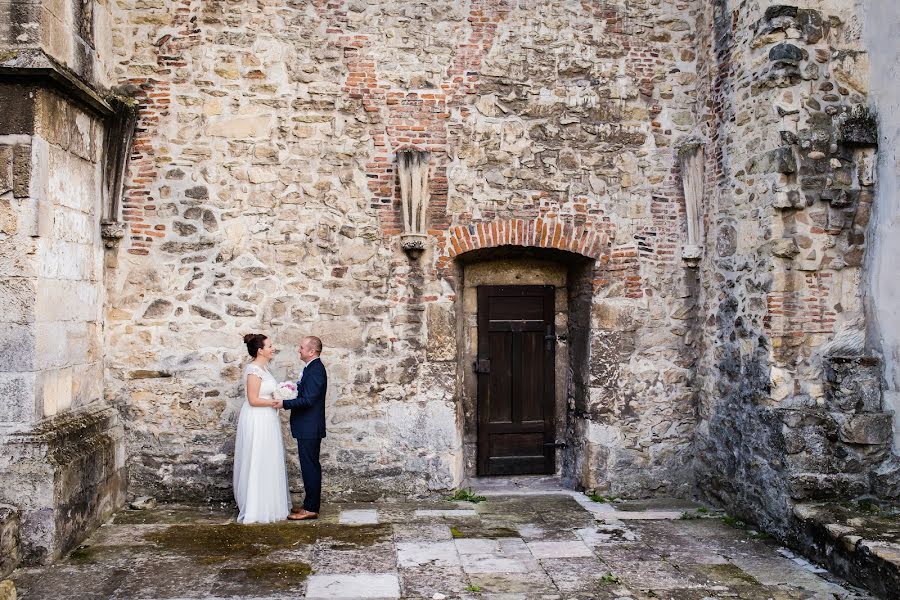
<point>302,515</point>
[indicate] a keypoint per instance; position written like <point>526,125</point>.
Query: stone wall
<point>263,196</point>
<point>61,452</point>
<point>880,20</point>
<point>790,396</point>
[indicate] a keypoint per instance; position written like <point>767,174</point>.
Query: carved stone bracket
<point>414,244</point>
<point>112,232</point>
<point>413,170</point>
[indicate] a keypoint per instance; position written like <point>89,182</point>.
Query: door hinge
<point>549,338</point>
<point>556,444</point>
<point>482,366</point>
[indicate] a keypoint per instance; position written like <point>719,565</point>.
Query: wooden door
<point>516,380</point>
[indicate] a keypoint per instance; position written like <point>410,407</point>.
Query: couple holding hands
<point>260,476</point>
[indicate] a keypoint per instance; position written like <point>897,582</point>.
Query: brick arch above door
<point>585,239</point>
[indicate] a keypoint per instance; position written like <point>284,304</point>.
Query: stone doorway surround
<point>513,265</point>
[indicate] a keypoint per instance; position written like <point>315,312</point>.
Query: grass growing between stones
<point>733,522</point>
<point>610,579</point>
<point>466,495</point>
<point>218,543</point>
<point>594,497</point>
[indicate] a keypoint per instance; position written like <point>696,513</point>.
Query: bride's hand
<point>277,404</point>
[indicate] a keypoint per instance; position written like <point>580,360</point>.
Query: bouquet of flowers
<point>286,390</point>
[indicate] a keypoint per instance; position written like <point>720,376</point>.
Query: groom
<point>308,425</point>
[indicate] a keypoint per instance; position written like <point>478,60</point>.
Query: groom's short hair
<point>314,343</point>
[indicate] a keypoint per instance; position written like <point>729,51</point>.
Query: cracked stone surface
<point>509,547</point>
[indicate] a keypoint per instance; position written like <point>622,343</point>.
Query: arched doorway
<point>523,339</point>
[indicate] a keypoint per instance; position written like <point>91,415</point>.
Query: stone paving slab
<point>522,547</point>
<point>459,512</point>
<point>559,549</point>
<point>417,554</point>
<point>358,517</point>
<point>350,587</point>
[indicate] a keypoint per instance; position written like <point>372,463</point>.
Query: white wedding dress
<point>260,477</point>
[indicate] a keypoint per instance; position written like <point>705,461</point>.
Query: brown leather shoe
<point>303,515</point>
<point>296,510</point>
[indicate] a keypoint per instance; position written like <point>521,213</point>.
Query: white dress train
<point>260,476</point>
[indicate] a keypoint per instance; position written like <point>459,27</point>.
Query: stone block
<point>10,551</point>
<point>858,127</point>
<point>72,182</point>
<point>442,338</point>
<point>6,173</point>
<point>17,398</point>
<point>779,160</point>
<point>853,384</point>
<point>364,585</point>
<point>17,347</point>
<point>615,314</point>
<point>886,480</point>
<point>7,590</point>
<point>17,300</point>
<point>819,486</point>
<point>61,343</point>
<point>788,53</point>
<point>70,260</point>
<point>785,248</point>
<point>21,172</point>
<point>18,116</point>
<point>249,126</point>
<point>868,428</point>
<point>339,334</point>
<point>56,391</point>
<point>63,300</point>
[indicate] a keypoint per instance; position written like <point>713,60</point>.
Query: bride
<point>260,478</point>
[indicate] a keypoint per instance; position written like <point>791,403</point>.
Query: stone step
<point>862,546</point>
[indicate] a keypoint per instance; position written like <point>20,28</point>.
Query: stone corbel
<point>112,232</point>
<point>413,167</point>
<point>691,158</point>
<point>120,127</point>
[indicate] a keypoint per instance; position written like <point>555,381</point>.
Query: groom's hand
<point>277,404</point>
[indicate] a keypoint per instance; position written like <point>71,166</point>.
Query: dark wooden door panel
<point>501,381</point>
<point>516,380</point>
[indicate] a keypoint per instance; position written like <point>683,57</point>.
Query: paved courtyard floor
<point>524,546</point>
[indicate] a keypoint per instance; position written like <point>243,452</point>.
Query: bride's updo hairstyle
<point>255,342</point>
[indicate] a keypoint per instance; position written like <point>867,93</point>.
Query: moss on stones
<point>215,543</point>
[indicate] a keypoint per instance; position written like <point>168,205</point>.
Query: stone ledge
<point>861,545</point>
<point>35,66</point>
<point>66,475</point>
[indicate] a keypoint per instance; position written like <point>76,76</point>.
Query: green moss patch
<point>727,574</point>
<point>465,530</point>
<point>280,576</point>
<point>214,543</point>
<point>174,515</point>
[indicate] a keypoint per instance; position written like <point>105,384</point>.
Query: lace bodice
<point>269,383</point>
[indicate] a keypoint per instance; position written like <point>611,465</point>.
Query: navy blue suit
<point>308,428</point>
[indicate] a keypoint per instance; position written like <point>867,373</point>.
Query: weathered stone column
<point>61,452</point>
